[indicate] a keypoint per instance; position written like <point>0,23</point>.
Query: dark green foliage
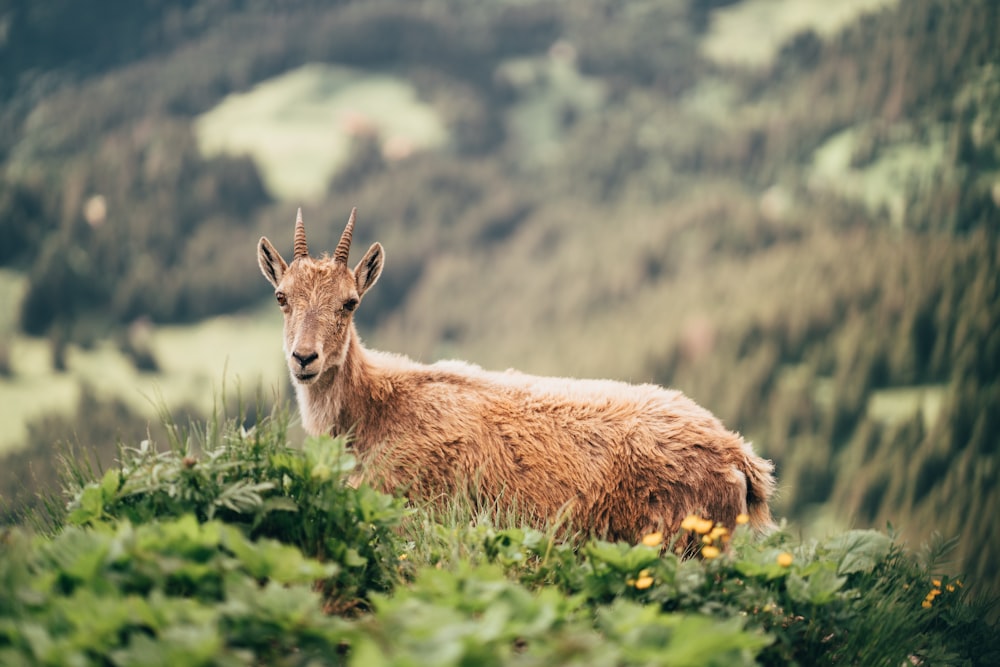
<point>252,552</point>
<point>127,32</point>
<point>251,478</point>
<point>23,223</point>
<point>168,592</point>
<point>815,608</point>
<point>145,260</point>
<point>646,43</point>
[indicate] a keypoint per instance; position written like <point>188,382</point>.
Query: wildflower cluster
<point>713,536</point>
<point>928,601</point>
<point>653,539</point>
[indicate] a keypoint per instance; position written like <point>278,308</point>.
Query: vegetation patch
<point>551,91</point>
<point>753,31</point>
<point>900,403</point>
<point>231,547</point>
<point>299,126</point>
<point>882,178</point>
<point>193,360</point>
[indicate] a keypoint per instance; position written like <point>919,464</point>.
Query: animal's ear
<point>369,268</point>
<point>270,261</point>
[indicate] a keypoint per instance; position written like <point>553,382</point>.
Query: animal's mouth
<point>305,378</point>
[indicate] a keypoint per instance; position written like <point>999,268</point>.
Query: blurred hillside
<point>805,242</point>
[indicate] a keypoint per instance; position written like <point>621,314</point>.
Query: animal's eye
<point>282,299</point>
<point>350,304</point>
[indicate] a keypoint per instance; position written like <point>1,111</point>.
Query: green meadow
<point>196,364</point>
<point>298,126</point>
<point>752,32</point>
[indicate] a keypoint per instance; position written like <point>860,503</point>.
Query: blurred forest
<point>809,247</point>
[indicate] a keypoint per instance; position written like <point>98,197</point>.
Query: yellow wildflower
<point>697,524</point>
<point>643,582</point>
<point>718,532</point>
<point>710,552</point>
<point>707,539</point>
<point>653,539</point>
<point>742,519</point>
<point>926,604</point>
<point>785,559</point>
<point>690,521</point>
<point>950,588</point>
<point>936,582</point>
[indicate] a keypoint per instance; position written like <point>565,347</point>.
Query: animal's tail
<point>760,488</point>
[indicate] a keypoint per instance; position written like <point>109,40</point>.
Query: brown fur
<point>623,460</point>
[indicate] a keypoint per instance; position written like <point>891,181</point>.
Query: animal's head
<point>318,297</point>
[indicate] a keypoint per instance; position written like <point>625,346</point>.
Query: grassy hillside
<point>299,126</point>
<point>753,32</point>
<point>231,547</point>
<point>190,369</point>
<point>805,242</point>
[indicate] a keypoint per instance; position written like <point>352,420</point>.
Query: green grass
<point>752,32</point>
<point>32,390</point>
<point>298,126</point>
<point>12,287</point>
<point>887,182</point>
<point>230,546</point>
<point>196,362</point>
<point>900,403</point>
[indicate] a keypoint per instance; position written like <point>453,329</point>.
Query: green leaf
<point>689,577</point>
<point>88,507</point>
<point>621,557</point>
<point>651,637</point>
<point>818,588</point>
<point>79,554</point>
<point>110,484</point>
<point>859,550</point>
<point>354,559</point>
<point>763,563</point>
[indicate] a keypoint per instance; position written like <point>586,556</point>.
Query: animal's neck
<point>331,404</point>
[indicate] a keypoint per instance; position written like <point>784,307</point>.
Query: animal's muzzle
<point>305,358</point>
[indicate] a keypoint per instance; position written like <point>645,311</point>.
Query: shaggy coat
<point>622,460</point>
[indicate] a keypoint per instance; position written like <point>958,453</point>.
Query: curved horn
<point>301,249</point>
<point>344,247</point>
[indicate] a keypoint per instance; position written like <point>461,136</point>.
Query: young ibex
<point>622,460</point>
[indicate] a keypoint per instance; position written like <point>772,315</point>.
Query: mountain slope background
<point>805,243</point>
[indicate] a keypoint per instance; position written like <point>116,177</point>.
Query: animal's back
<point>623,459</point>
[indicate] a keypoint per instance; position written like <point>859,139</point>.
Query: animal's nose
<point>305,358</point>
